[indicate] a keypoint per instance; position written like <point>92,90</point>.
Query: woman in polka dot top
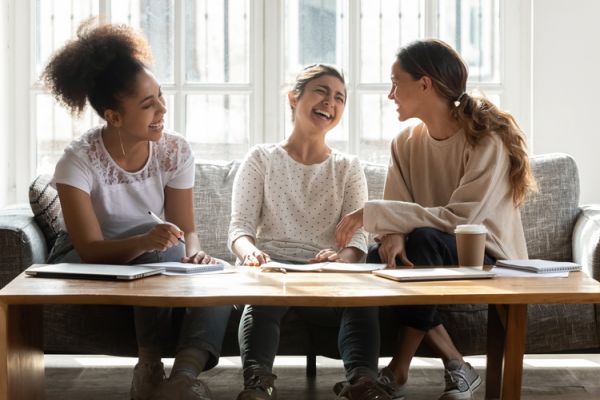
<point>287,200</point>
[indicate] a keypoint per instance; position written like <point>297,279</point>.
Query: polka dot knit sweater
<point>291,209</point>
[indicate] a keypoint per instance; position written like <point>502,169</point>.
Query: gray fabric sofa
<point>556,228</point>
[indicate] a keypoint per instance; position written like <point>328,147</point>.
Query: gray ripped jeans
<point>202,327</point>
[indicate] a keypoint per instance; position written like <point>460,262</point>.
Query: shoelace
<point>390,387</point>
<point>454,379</point>
<point>371,392</point>
<point>200,388</point>
<point>260,382</point>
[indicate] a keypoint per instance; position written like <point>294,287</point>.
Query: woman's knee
<point>429,246</point>
<point>423,236</point>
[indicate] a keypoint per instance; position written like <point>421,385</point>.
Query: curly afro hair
<point>100,65</point>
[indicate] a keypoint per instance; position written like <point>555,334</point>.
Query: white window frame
<point>266,110</point>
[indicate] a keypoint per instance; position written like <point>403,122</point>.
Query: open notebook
<point>434,274</point>
<point>320,267</point>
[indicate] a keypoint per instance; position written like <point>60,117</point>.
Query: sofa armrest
<point>586,240</point>
<point>21,240</point>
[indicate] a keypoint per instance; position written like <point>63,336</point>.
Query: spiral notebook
<point>540,266</point>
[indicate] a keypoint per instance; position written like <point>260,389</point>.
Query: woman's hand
<point>161,237</point>
<point>345,255</point>
<point>199,258</point>
<point>347,227</point>
<point>256,258</point>
<point>327,255</point>
<point>392,246</point>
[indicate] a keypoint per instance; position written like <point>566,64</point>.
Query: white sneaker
<point>182,387</point>
<point>146,379</point>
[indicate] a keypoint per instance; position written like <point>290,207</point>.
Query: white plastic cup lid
<point>471,228</point>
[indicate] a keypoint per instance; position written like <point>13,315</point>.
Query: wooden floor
<point>572,377</point>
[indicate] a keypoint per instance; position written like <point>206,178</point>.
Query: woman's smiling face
<point>143,112</point>
<point>321,104</point>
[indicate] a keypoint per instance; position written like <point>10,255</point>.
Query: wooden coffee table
<point>21,301</point>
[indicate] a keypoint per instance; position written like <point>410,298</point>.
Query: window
<point>225,65</point>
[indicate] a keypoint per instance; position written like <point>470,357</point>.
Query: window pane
<point>56,22</point>
<point>385,26</point>
<point>156,19</point>
<point>379,124</point>
<point>315,32</point>
<point>217,41</point>
<point>218,125</point>
<point>55,129</point>
<point>472,27</point>
<point>170,115</point>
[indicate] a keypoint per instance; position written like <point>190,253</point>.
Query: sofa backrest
<point>548,216</point>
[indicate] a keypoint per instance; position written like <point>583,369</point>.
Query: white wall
<point>566,86</point>
<point>6,94</point>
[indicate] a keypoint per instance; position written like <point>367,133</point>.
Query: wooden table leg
<point>21,352</point>
<point>514,348</point>
<point>495,350</point>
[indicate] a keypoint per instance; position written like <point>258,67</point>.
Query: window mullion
<point>354,45</point>
<point>25,163</point>
<point>104,11</point>
<point>257,72</point>
<point>431,19</point>
<point>180,108</point>
<point>273,127</point>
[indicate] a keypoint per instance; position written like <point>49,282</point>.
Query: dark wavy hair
<point>99,66</point>
<point>310,73</point>
<point>476,114</point>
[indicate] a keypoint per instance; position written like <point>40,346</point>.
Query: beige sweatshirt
<point>441,184</point>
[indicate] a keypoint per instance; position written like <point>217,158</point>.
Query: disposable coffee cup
<point>470,245</point>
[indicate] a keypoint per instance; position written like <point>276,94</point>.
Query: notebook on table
<point>92,271</point>
<point>539,266</point>
<point>434,274</point>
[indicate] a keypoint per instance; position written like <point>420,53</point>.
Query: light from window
<point>205,64</point>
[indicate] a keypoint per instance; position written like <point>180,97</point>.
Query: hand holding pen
<point>160,221</point>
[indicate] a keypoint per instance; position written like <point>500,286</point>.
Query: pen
<point>160,221</point>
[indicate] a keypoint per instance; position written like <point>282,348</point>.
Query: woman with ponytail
<point>466,163</point>
<point>112,176</point>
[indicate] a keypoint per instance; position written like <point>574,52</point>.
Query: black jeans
<point>424,247</point>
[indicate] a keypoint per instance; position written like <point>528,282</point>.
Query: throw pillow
<point>45,205</point>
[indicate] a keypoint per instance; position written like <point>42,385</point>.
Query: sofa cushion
<point>549,215</point>
<point>45,205</point>
<point>212,206</point>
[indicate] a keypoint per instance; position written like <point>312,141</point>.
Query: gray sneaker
<point>461,381</point>
<point>182,387</point>
<point>363,389</point>
<point>146,379</point>
<point>387,381</point>
<point>258,385</point>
